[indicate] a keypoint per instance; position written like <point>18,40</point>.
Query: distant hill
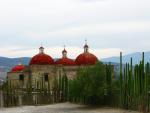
<point>126,58</point>
<point>7,63</point>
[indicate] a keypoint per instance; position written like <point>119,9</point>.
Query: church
<point>43,68</point>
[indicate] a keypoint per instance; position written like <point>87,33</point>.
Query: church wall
<point>14,79</point>
<point>37,72</point>
<point>70,71</point>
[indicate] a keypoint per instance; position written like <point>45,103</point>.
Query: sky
<point>110,26</point>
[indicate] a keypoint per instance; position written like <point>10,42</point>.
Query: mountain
<point>7,63</point>
<point>126,58</point>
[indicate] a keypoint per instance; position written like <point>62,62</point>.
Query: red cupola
<point>86,58</point>
<point>65,60</point>
<point>41,58</point>
<point>17,68</point>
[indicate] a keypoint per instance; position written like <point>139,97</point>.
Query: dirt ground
<point>61,108</point>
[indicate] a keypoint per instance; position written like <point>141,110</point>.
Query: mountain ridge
<point>137,56</point>
<point>7,63</point>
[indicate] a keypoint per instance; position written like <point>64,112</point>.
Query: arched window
<point>46,77</point>
<point>21,77</point>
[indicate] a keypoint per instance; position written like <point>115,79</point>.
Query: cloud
<point>56,52</point>
<point>120,24</point>
<point>91,29</point>
<point>91,0</point>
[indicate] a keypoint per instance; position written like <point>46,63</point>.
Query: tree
<point>89,86</point>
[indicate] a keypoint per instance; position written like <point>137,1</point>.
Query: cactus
<point>121,80</point>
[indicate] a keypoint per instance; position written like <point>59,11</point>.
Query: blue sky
<point>110,26</point>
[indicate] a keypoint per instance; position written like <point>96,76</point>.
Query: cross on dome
<point>86,47</point>
<point>64,52</point>
<point>41,49</point>
<point>86,41</point>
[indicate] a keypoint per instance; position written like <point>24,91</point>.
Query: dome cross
<point>41,49</point>
<point>64,52</point>
<point>86,47</point>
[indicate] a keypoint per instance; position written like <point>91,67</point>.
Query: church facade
<point>43,68</point>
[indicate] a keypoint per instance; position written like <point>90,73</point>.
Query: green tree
<point>89,86</point>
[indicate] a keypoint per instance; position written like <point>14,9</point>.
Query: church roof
<point>41,58</point>
<point>17,68</point>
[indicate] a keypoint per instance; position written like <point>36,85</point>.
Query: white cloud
<point>91,29</point>
<point>56,52</point>
<point>123,24</point>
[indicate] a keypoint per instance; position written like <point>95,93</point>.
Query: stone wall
<point>36,74</point>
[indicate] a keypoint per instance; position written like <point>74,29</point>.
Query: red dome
<point>86,59</point>
<point>18,68</point>
<point>65,61</point>
<point>41,59</point>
